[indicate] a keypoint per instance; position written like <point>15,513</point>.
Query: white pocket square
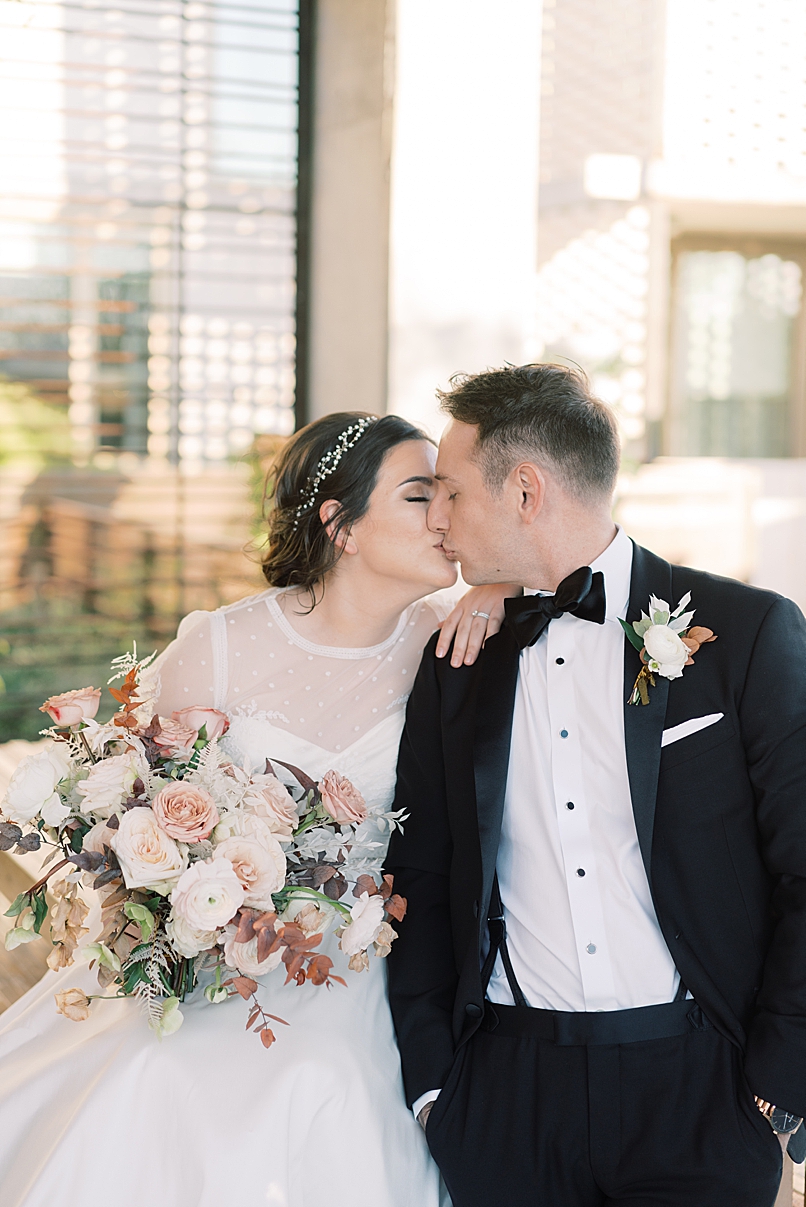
<point>687,728</point>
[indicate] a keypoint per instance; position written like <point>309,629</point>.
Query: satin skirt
<point>104,1112</point>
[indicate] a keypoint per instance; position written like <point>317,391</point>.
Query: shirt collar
<point>615,564</point>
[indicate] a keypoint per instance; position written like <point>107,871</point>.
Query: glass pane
<point>735,326</point>
<point>147,262</point>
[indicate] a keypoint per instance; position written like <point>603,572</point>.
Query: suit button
<point>473,1010</point>
<point>475,909</point>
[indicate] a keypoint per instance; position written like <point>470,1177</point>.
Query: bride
<point>314,671</point>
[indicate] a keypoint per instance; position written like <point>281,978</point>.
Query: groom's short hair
<point>544,412</point>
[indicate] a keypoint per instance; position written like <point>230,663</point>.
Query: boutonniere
<point>665,643</point>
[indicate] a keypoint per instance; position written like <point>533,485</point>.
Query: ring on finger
<point>486,615</point>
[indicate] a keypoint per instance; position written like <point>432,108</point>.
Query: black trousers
<point>525,1121</point>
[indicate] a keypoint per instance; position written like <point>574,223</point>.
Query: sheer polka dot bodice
<point>248,660</point>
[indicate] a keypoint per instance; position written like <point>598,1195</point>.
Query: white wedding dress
<point>102,1113</point>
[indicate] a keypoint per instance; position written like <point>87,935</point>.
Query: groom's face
<point>477,525</point>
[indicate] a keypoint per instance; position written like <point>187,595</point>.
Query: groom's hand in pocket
<point>478,615</point>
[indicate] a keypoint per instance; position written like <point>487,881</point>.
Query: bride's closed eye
<point>417,499</point>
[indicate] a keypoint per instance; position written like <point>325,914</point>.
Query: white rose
<point>110,782</point>
<point>312,917</point>
<point>259,865</point>
<point>187,941</point>
<point>145,852</point>
<point>365,925</point>
<point>667,653</point>
<point>208,894</point>
<point>32,788</point>
<point>243,956</point>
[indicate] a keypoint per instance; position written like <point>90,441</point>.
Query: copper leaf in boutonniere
<point>665,643</point>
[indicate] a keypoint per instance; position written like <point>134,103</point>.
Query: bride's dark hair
<point>301,551</point>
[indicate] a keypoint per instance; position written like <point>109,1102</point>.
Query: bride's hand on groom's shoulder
<point>478,615</point>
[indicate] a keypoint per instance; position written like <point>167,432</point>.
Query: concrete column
<point>349,223</point>
<point>464,194</point>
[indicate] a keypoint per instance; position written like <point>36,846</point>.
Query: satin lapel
<point>643,723</point>
<point>493,729</point>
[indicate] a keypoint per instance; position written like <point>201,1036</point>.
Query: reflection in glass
<point>735,329</point>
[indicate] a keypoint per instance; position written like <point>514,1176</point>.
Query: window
<point>737,339</point>
<point>147,301</point>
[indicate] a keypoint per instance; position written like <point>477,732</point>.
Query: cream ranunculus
<point>71,708</point>
<point>365,925</point>
<point>208,894</point>
<point>110,782</point>
<point>146,854</point>
<point>243,956</point>
<point>259,865</point>
<point>666,651</point>
<point>32,787</point>
<point>187,941</point>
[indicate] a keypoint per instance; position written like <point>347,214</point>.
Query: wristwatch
<point>779,1120</point>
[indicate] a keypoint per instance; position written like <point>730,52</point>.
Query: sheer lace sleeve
<point>184,674</point>
<point>443,602</point>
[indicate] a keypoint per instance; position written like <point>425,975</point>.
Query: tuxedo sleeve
<point>773,719</point>
<point>421,967</point>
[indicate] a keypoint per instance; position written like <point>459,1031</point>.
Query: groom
<point>600,987</point>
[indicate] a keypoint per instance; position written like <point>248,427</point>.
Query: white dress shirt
<point>581,927</point>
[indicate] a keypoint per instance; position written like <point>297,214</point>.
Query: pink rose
<point>195,717</point>
<point>185,812</point>
<point>341,799</point>
<point>175,738</point>
<point>71,708</point>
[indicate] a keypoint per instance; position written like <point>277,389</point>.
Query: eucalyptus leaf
<point>632,637</point>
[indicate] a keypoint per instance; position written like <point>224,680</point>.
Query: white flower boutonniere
<point>665,643</point>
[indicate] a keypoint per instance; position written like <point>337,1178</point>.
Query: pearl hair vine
<point>330,463</point>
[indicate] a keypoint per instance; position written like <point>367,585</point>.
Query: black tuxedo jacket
<point>720,815</point>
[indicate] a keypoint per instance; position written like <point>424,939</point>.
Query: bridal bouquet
<point>203,867</point>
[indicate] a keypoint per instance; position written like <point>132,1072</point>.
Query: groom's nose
<point>438,511</point>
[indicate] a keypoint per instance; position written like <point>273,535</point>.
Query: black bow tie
<point>582,594</point>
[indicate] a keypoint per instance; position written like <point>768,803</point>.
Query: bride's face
<point>393,540</point>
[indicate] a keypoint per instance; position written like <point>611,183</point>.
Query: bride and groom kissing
<point>597,990</point>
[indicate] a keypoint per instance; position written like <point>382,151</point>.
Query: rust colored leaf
<point>117,694</point>
<point>267,1037</point>
<point>388,886</point>
<point>321,875</point>
<point>243,985</point>
<point>265,921</point>
<point>319,969</point>
<point>365,884</point>
<point>246,930</point>
<point>268,941</point>
<point>254,1015</point>
<point>276,1018</point>
<point>396,907</point>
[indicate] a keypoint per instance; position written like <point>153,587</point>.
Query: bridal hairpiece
<point>330,463</point>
